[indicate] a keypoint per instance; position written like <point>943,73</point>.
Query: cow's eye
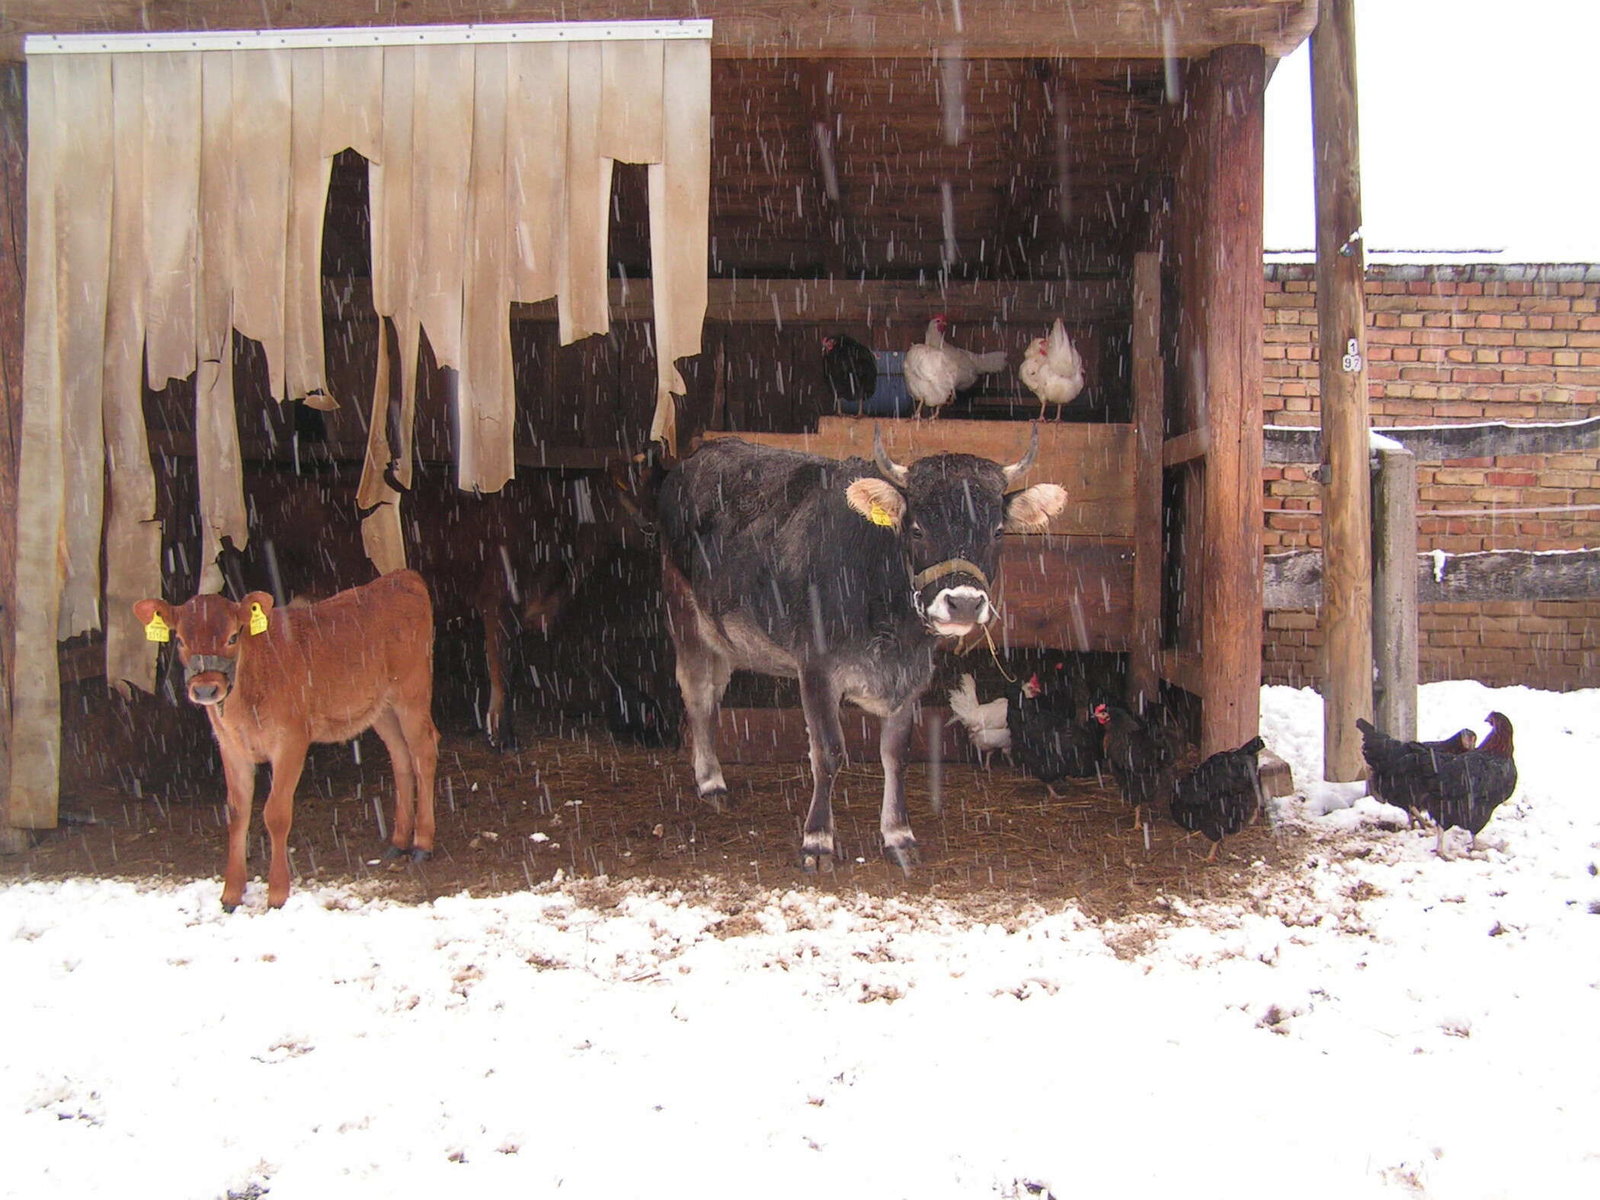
<point>999,529</point>
<point>917,531</point>
<point>233,638</point>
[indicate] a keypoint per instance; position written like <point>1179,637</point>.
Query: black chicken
<point>851,369</point>
<point>633,715</point>
<point>1141,755</point>
<point>1222,795</point>
<point>1450,788</point>
<point>1392,762</point>
<point>1048,739</point>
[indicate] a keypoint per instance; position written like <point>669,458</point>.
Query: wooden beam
<point>1229,90</point>
<point>1149,416</point>
<point>13,238</point>
<point>1394,586</point>
<point>754,28</point>
<point>1185,448</point>
<point>1341,341</point>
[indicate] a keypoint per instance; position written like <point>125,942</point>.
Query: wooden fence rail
<point>1444,443</point>
<point>1294,580</point>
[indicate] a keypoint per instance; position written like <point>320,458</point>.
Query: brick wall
<point>1453,344</point>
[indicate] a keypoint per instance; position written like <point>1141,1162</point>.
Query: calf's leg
<point>898,842</point>
<point>241,776</point>
<point>413,745</point>
<point>703,676</point>
<point>820,699</point>
<point>278,815</point>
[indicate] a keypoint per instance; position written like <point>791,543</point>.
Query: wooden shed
<point>1005,163</point>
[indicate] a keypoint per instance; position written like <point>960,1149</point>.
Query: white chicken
<point>935,371</point>
<point>1053,369</point>
<point>986,724</point>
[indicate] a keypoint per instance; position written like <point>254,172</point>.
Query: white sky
<point>1477,130</point>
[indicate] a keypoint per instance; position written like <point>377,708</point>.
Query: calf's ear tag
<point>157,630</point>
<point>258,620</point>
<point>879,515</point>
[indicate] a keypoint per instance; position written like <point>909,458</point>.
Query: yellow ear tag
<point>157,630</point>
<point>879,515</point>
<point>258,620</point>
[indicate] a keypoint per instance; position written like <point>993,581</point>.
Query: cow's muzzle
<point>208,691</point>
<point>954,610</point>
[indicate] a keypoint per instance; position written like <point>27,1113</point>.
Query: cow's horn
<point>892,470</point>
<point>1020,467</point>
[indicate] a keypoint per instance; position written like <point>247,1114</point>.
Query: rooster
<point>851,370</point>
<point>985,722</point>
<point>935,371</point>
<point>1387,757</point>
<point>1222,795</point>
<point>1141,755</point>
<point>1462,788</point>
<point>1052,369</point>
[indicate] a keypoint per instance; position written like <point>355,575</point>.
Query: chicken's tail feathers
<point>1254,746</point>
<point>988,364</point>
<point>1366,727</point>
<point>964,700</point>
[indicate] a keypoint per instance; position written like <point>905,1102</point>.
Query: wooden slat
<point>1149,411</point>
<point>1095,463</point>
<point>1185,448</point>
<point>757,28</point>
<point>1071,594</point>
<point>1183,669</point>
<point>1394,587</point>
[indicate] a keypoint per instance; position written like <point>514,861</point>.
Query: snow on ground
<point>1378,1023</point>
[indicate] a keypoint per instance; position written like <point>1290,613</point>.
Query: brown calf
<point>275,680</point>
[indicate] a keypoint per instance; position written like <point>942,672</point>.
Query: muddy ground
<point>574,799</point>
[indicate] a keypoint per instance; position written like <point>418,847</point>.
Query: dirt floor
<point>575,800</point>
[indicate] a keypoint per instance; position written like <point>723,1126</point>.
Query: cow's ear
<point>878,500</point>
<point>256,606</point>
<point>156,617</point>
<point>1030,510</point>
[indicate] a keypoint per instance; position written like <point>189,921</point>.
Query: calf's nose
<point>963,605</point>
<point>205,693</point>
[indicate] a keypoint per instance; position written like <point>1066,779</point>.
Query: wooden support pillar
<point>1149,416</point>
<point>1341,342</point>
<point>1394,584</point>
<point>13,239</point>
<point>1231,94</point>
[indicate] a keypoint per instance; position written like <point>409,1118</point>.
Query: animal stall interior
<point>851,198</point>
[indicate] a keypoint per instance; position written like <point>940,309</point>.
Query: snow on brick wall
<point>1454,344</point>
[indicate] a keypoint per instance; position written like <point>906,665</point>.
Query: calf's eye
<point>233,638</point>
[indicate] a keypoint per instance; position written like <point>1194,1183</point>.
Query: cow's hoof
<point>419,855</point>
<point>814,861</point>
<point>716,798</point>
<point>905,857</point>
<point>228,908</point>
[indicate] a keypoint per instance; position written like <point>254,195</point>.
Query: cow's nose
<point>961,606</point>
<point>205,693</point>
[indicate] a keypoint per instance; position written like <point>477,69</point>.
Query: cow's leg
<point>287,763</point>
<point>703,676</point>
<point>820,699</point>
<point>241,775</point>
<point>496,650</point>
<point>894,733</point>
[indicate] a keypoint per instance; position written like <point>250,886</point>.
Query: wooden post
<point>13,236</point>
<point>1341,342</point>
<point>1394,583</point>
<point>1149,417</point>
<point>1233,286</point>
